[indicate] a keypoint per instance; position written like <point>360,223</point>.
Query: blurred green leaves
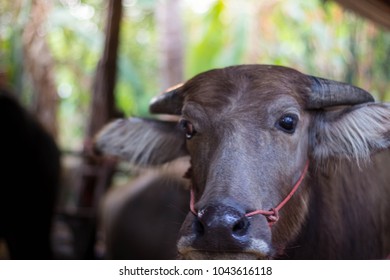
<point>215,38</point>
<point>315,37</point>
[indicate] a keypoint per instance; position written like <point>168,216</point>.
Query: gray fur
<point>353,134</point>
<point>141,141</point>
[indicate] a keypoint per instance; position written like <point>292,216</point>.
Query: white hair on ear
<point>354,134</point>
<point>141,142</point>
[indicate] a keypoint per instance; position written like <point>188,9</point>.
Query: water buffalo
<point>29,166</point>
<point>141,220</point>
<point>283,165</point>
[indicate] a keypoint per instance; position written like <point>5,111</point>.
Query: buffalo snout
<point>221,228</point>
<point>222,232</point>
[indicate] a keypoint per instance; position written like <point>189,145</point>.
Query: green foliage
<point>76,41</point>
<point>204,50</point>
<point>214,40</point>
<point>316,37</point>
<point>138,67</point>
<point>13,16</point>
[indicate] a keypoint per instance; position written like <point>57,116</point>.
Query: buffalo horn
<point>170,102</point>
<point>328,93</point>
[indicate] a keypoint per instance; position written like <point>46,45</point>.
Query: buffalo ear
<point>142,141</point>
<point>353,132</point>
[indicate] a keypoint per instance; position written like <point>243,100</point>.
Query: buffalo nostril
<point>240,228</point>
<point>221,228</point>
<point>198,227</point>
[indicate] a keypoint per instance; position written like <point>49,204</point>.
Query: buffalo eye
<point>188,128</point>
<point>288,123</point>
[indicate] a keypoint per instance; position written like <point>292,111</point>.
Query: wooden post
<point>103,107</point>
<point>40,66</point>
<point>171,42</point>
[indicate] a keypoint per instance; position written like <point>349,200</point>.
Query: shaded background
<point>77,64</point>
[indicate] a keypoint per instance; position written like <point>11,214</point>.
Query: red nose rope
<point>272,215</point>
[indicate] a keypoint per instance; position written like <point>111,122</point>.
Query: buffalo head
<point>250,131</point>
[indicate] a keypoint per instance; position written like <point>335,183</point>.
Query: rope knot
<point>273,217</point>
